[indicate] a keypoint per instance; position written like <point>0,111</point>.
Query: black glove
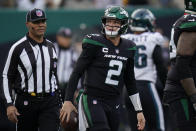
<point>193,100</point>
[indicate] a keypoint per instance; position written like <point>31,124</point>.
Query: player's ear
<point>27,25</point>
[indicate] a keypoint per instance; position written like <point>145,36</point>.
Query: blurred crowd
<point>85,4</point>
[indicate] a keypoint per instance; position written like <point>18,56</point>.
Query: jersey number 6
<point>140,58</point>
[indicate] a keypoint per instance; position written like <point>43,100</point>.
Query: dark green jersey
<point>106,67</point>
<point>186,23</point>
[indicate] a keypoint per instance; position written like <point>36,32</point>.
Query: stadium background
<point>82,22</point>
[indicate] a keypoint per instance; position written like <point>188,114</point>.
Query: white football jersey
<point>144,66</point>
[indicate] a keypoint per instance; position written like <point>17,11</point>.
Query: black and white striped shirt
<point>31,67</point>
<point>67,58</point>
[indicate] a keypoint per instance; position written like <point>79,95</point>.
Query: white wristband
<point>135,99</point>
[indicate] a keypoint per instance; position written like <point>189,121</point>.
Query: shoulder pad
<point>129,45</point>
<point>186,23</point>
<point>125,36</point>
<point>157,38</point>
<point>128,36</point>
<point>93,39</point>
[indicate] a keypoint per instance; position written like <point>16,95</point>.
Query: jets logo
<point>123,12</point>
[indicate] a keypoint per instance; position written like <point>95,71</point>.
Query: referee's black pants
<point>37,113</point>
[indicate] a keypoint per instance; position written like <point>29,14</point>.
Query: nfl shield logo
<point>55,64</point>
<point>25,103</point>
<point>117,51</point>
<point>39,13</point>
<point>94,102</point>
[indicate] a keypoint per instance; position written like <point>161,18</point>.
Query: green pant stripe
<point>184,103</point>
<point>86,110</point>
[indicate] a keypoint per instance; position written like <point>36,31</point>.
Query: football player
<point>148,63</point>
<point>108,63</point>
<point>180,91</point>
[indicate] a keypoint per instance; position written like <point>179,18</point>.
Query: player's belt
<point>41,94</point>
<point>36,95</point>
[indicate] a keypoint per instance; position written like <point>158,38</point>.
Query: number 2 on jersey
<point>112,72</point>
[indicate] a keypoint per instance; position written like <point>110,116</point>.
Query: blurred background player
<point>108,63</point>
<point>67,57</point>
<point>148,64</point>
<point>180,91</point>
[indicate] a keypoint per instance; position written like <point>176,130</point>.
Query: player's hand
<point>12,113</point>
<point>66,110</point>
<point>141,121</point>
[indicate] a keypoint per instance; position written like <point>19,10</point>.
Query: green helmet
<point>142,20</point>
<point>190,6</point>
<point>116,12</point>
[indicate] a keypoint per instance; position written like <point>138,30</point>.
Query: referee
<point>67,58</point>
<point>31,71</point>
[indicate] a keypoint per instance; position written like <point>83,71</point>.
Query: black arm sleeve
<point>82,64</point>
<point>159,62</point>
<point>183,66</point>
<point>129,77</point>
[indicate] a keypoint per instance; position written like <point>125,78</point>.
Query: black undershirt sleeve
<point>129,77</point>
<point>159,62</point>
<point>82,64</point>
<point>183,66</point>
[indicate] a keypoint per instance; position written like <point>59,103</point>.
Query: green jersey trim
<point>79,94</point>
<point>93,42</point>
<point>184,103</point>
<point>188,25</point>
<point>132,48</point>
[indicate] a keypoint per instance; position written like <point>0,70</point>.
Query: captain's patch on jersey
<point>105,50</point>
